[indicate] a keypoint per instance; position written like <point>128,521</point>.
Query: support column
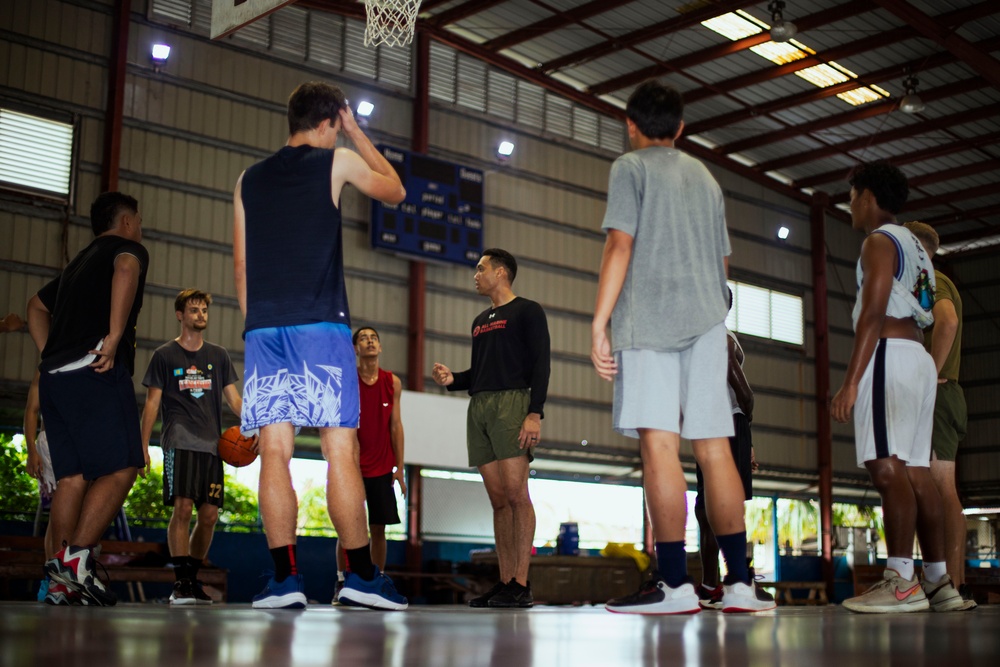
<point>415,365</point>
<point>824,432</point>
<point>116,96</point>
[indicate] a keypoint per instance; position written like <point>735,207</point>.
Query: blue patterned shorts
<point>304,375</point>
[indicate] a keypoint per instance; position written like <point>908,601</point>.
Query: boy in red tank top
<point>380,437</point>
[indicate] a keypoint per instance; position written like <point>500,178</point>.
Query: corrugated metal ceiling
<point>817,135</point>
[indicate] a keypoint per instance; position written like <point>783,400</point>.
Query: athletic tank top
<point>377,400</point>
<point>913,284</point>
<point>294,249</point>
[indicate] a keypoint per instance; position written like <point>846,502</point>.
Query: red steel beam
<point>417,295</point>
<point>951,218</point>
<point>871,43</point>
<point>985,166</point>
<point>690,19</point>
<point>932,28</point>
<point>114,114</point>
<point>462,11</point>
<point>909,158</point>
<point>553,23</point>
<point>857,114</point>
<point>811,22</point>
<point>923,64</point>
<point>947,122</point>
<point>821,340</point>
<point>957,195</point>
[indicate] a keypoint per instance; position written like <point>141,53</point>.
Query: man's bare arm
<point>240,246</point>
<point>945,330</point>
<point>39,321</point>
<point>396,433</point>
<point>124,285</point>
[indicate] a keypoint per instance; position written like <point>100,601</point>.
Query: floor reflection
<point>151,635</point>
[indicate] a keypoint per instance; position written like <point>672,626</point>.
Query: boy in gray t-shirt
<point>663,287</point>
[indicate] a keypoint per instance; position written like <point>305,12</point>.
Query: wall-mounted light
<point>505,150</point>
<point>365,109</point>
<point>783,233</point>
<point>159,54</point>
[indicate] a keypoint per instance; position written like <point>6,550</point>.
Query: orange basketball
<point>236,450</point>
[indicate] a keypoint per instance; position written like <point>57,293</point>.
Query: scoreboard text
<point>442,216</point>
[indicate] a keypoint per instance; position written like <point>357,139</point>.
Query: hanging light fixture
<point>781,30</point>
<point>911,102</point>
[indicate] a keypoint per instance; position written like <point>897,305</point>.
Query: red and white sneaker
<point>742,598</point>
<point>74,567</point>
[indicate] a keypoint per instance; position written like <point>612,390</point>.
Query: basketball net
<point>390,22</point>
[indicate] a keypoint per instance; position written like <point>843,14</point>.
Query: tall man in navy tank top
<point>380,442</point>
<point>83,322</point>
<point>299,364</point>
<point>891,383</point>
<point>508,382</point>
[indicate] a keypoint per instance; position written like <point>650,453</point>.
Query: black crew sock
<point>285,562</point>
<point>182,567</point>
<point>359,561</point>
<point>195,564</point>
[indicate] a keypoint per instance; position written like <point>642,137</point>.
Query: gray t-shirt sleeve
<point>624,196</point>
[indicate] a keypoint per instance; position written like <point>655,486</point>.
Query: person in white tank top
<point>891,385</point>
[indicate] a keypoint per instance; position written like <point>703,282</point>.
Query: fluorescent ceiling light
<point>739,25</point>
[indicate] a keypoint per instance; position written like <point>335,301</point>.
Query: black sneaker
<point>183,593</point>
<point>200,596</point>
<point>513,595</point>
<point>484,599</point>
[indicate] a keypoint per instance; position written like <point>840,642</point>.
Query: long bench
<point>784,592</point>
<point>22,558</point>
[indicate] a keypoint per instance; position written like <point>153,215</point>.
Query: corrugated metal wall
<point>217,107</point>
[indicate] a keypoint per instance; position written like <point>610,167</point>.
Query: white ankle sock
<point>934,571</point>
<point>902,566</point>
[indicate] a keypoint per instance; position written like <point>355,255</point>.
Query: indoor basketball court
<point>502,119</point>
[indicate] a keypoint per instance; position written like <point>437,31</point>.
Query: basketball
<point>236,450</point>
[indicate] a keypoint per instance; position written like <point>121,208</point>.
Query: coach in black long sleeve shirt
<point>510,350</point>
<point>508,381</point>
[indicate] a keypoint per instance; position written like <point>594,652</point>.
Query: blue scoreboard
<point>442,216</point>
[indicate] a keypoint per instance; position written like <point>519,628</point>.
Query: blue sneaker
<point>43,590</point>
<point>285,595</point>
<point>379,593</point>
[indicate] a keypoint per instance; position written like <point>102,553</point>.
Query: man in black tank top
<point>299,372</point>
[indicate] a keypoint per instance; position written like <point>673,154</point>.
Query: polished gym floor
<point>147,635</point>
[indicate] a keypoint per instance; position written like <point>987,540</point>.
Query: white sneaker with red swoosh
<point>892,595</point>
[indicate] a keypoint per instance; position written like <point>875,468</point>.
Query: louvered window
<point>442,75</point>
<point>326,39</point>
<point>175,12</point>
<point>289,32</point>
<point>500,94</point>
<point>471,83</point>
<point>358,59</point>
<point>36,154</point>
<point>758,311</point>
<point>530,105</point>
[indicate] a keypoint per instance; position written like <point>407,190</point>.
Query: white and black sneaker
<point>655,597</point>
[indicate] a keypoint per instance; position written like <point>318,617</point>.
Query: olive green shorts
<point>494,422</point>
<point>950,420</point>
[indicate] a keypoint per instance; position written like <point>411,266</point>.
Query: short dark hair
<point>106,208</point>
<point>357,332</point>
<point>883,180</point>
<point>502,258</point>
<point>656,109</point>
<point>191,294</point>
<point>312,103</point>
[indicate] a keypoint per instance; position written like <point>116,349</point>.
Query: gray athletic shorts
<point>680,392</point>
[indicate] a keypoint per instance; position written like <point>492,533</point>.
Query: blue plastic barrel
<point>569,539</point>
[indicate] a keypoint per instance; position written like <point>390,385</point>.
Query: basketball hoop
<point>390,22</point>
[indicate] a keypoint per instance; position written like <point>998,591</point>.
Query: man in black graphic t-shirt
<point>191,376</point>
<point>508,382</point>
<point>84,324</point>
